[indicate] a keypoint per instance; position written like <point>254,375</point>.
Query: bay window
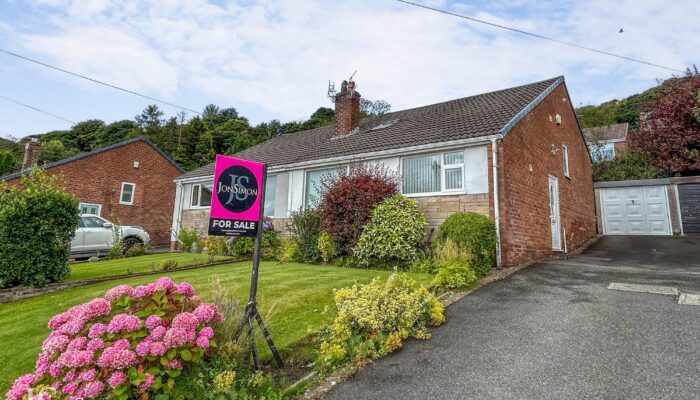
<point>433,173</point>
<point>313,185</point>
<point>201,196</point>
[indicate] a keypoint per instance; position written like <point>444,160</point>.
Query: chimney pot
<point>347,109</point>
<point>31,154</point>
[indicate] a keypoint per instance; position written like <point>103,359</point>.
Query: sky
<point>273,59</point>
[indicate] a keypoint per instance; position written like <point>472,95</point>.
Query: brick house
<point>445,154</point>
<point>130,182</point>
<point>606,142</point>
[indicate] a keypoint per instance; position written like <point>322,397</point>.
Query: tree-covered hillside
<point>192,142</point>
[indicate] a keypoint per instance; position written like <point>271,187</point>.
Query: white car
<point>95,236</point>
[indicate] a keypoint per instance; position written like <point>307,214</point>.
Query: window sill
<point>126,204</point>
<point>199,207</point>
<point>434,194</point>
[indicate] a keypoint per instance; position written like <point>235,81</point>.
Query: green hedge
<point>37,224</point>
<point>473,233</point>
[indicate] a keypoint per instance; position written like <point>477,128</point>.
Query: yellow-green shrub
<point>288,251</point>
<point>327,248</point>
<point>454,269</point>
<point>471,232</point>
<point>374,319</point>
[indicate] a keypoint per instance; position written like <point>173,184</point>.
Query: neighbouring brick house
<point>445,156</point>
<point>130,182</point>
<point>606,142</point>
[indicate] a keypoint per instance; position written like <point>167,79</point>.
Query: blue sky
<point>273,59</point>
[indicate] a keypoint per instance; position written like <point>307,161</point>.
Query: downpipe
<point>496,200</point>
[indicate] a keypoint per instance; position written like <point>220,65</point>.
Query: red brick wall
<point>619,146</point>
<point>524,202</point>
<point>97,179</point>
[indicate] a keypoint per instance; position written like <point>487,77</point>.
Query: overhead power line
<point>539,36</point>
<point>43,64</point>
<point>37,109</point>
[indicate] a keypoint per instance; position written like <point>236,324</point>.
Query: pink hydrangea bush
<point>130,344</point>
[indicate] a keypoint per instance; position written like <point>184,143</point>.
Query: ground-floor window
<point>90,208</point>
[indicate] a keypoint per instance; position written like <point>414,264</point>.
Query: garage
<point>635,210</point>
<point>689,202</point>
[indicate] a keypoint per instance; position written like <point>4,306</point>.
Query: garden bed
<point>293,299</point>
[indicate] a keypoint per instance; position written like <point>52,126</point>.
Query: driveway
<point>555,331</point>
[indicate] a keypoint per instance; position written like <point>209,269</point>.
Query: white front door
<point>641,210</point>
<point>554,212</point>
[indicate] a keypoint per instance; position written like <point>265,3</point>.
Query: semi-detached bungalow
<point>516,155</point>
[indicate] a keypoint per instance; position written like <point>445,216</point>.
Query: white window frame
<point>133,194</point>
<point>274,200</point>
<point>199,196</point>
<point>99,207</point>
<point>443,190</point>
<point>565,157</point>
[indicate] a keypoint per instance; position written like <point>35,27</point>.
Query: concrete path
<point>555,331</point>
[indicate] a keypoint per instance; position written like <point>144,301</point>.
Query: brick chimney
<point>347,109</point>
<point>31,154</point>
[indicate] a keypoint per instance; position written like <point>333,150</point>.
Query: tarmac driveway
<point>555,331</point>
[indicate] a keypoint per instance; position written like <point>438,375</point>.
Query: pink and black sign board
<point>237,197</point>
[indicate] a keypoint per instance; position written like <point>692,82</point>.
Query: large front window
<point>270,191</point>
<point>433,173</point>
<point>313,185</point>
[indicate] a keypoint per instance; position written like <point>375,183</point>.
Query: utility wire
<point>98,82</point>
<point>538,36</point>
<point>36,109</point>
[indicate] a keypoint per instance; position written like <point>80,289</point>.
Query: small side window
<point>127,193</point>
<point>565,155</point>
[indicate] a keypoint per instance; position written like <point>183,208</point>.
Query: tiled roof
<point>92,153</point>
<point>607,132</point>
<point>468,117</point>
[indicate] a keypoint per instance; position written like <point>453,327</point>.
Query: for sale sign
<point>237,197</point>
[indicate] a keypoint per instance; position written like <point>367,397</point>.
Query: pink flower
<point>176,337</point>
<point>121,344</point>
<point>208,312</point>
<point>116,379</point>
<point>164,283</point>
<point>124,322</point>
<point>20,387</point>
<point>118,359</point>
<point>73,326</point>
<point>69,376</point>
<point>148,382</point>
<point>143,348</point>
<point>57,320</point>
<point>97,330</point>
<point>158,349</point>
<point>175,364</point>
<point>55,369</point>
<point>75,358</point>
<point>184,288</point>
<point>69,388</point>
<point>195,299</point>
<point>55,343</point>
<point>153,322</point>
<point>117,292</point>
<point>143,291</point>
<point>88,375</point>
<point>95,344</point>
<point>93,389</point>
<point>207,332</point>
<point>78,343</point>
<point>203,342</point>
<point>158,333</point>
<point>96,308</point>
<point>186,320</point>
<point>42,364</point>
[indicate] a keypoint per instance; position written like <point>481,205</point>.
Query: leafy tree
<point>8,162</point>
<point>629,164</point>
<point>370,108</point>
<point>213,116</point>
<point>604,114</point>
<point>84,134</point>
<point>114,132</point>
<point>54,150</point>
<point>204,152</point>
<point>671,133</point>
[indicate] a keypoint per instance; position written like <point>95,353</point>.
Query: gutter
<point>496,205</point>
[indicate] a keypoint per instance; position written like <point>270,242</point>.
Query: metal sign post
<point>237,210</point>
<point>252,312</point>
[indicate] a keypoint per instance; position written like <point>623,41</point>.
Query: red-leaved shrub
<point>347,199</point>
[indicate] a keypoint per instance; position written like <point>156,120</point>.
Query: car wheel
<point>131,242</point>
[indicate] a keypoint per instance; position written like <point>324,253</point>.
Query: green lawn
<point>133,265</point>
<point>291,298</point>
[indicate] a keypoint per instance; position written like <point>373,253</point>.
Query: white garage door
<point>635,211</point>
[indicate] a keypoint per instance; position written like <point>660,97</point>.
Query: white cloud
<point>277,56</point>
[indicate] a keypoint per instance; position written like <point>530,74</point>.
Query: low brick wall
<point>438,208</point>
